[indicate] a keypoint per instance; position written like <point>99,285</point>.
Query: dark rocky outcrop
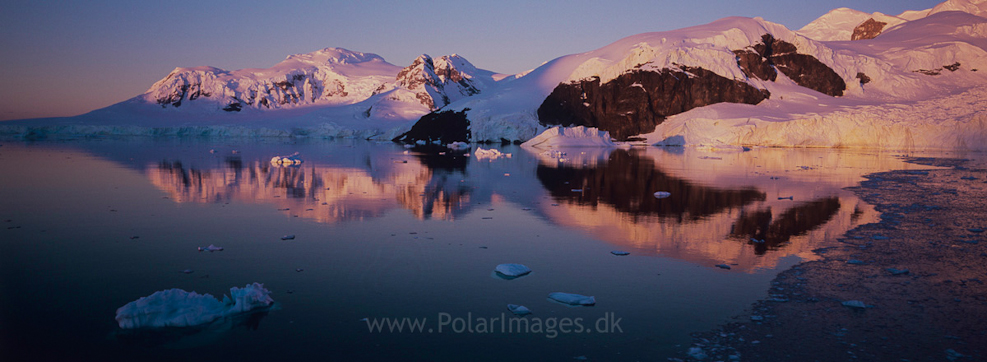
<point>637,101</point>
<point>869,29</point>
<point>864,79</point>
<point>446,127</point>
<point>762,59</point>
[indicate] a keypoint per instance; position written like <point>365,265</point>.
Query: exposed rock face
<point>869,29</point>
<point>441,81</point>
<point>760,61</point>
<point>445,127</point>
<point>637,101</point>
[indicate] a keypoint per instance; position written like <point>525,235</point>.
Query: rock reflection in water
<point>627,182</point>
<point>715,212</point>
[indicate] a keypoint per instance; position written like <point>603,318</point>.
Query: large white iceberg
<point>178,308</point>
<point>578,136</point>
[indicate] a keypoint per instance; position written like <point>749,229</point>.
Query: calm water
<point>87,226</point>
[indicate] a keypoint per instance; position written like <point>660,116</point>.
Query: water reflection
<point>325,193</point>
<point>627,182</point>
<point>749,209</point>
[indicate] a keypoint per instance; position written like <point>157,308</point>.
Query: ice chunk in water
<point>620,253</point>
<point>489,154</point>
<point>178,308</point>
<point>519,310</point>
<point>512,270</point>
<point>288,160</point>
<point>855,304</point>
<point>662,194</point>
<point>572,299</point>
<point>211,248</point>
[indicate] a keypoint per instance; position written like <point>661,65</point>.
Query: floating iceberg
<point>211,248</point>
<point>491,154</point>
<point>572,299</point>
<point>458,146</point>
<point>288,160</point>
<point>662,194</point>
<point>519,310</point>
<point>578,136</point>
<point>512,270</point>
<point>178,308</point>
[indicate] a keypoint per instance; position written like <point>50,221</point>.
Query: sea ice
<point>519,310</point>
<point>512,270</point>
<point>211,248</point>
<point>620,253</point>
<point>458,146</point>
<point>178,308</point>
<point>288,237</point>
<point>662,194</point>
<point>572,299</point>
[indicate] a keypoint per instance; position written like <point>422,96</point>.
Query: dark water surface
<point>382,231</point>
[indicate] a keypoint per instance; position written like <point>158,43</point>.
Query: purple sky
<point>64,58</point>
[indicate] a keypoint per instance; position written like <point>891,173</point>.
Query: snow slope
<point>838,24</point>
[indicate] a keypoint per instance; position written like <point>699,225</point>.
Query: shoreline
<point>920,273</point>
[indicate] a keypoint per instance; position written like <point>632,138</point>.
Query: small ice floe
<point>288,237</point>
<point>620,253</point>
<point>489,154</point>
<point>519,310</point>
<point>188,271</point>
<point>854,304</point>
<point>211,248</point>
<point>511,271</point>
<point>697,353</point>
<point>458,146</point>
<point>288,160</point>
<point>723,266</point>
<point>895,271</point>
<point>178,308</point>
<point>572,299</point>
<point>787,198</point>
<point>662,194</point>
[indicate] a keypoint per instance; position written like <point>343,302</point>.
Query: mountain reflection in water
<point>749,209</point>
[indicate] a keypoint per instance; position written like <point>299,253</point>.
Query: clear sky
<point>68,57</point>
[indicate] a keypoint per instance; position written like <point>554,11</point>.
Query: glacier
<point>179,308</point>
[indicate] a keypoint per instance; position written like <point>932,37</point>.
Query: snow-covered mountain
<point>914,80</point>
<point>919,84</point>
<point>328,77</point>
